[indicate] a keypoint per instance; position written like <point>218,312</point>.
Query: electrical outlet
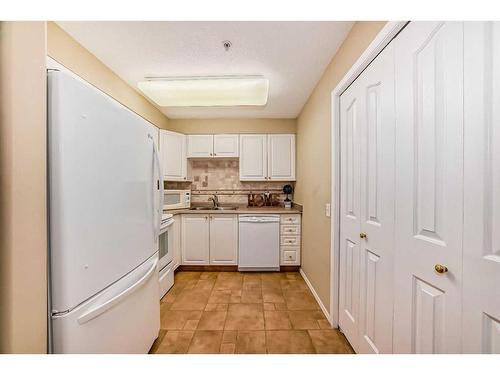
<point>328,210</point>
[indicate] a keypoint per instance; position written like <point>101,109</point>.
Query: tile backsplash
<point>221,177</point>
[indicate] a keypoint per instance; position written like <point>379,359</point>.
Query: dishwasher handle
<point>259,219</point>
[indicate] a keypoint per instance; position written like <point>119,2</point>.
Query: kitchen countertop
<point>242,209</point>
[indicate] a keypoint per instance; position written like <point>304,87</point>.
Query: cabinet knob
<point>439,268</point>
<point>362,235</point>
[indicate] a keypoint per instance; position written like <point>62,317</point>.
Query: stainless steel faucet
<point>215,200</point>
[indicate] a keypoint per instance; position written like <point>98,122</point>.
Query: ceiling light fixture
<point>206,91</point>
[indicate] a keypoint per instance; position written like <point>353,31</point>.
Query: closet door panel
<point>429,187</point>
<point>351,116</point>
<point>481,268</point>
<point>377,205</point>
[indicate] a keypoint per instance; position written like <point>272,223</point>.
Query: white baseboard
<point>323,308</point>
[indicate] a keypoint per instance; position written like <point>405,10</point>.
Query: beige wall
<point>313,185</point>
<point>23,225</point>
<point>68,52</point>
<point>228,125</point>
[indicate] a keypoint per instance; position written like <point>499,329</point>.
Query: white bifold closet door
<point>367,207</point>
<point>429,187</point>
<point>481,268</point>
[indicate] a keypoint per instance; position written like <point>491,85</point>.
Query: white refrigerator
<point>104,218</point>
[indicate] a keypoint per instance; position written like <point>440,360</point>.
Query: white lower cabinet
<point>223,239</point>
<point>209,239</point>
<point>195,239</point>
<point>176,230</point>
<point>290,240</point>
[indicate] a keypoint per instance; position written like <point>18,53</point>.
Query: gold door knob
<point>362,235</point>
<point>439,268</point>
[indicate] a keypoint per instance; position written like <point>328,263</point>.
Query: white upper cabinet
<point>281,157</point>
<point>267,157</point>
<point>226,145</point>
<point>208,146</point>
<point>200,146</point>
<point>173,156</point>
<point>253,157</point>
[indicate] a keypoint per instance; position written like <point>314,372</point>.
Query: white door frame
<point>383,38</point>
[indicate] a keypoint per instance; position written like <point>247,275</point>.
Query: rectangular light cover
<point>206,91</point>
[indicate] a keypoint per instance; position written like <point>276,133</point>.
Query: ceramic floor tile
<point>269,306</point>
<point>275,296</point>
<point>300,300</point>
<point>175,320</point>
<point>205,284</point>
<point>220,296</point>
<point>212,321</point>
<point>251,342</point>
<point>232,312</point>
<point>229,337</point>
<point>209,275</point>
<point>191,325</point>
<point>308,319</point>
<point>230,283</point>
<point>244,316</point>
<point>227,348</point>
<point>277,320</point>
<point>287,284</point>
<point>329,341</point>
<point>157,342</point>
<point>191,299</point>
<point>211,307</point>
<point>324,324</point>
<point>175,342</point>
<point>251,296</point>
<point>273,284</point>
<point>205,342</point>
<point>280,306</point>
<point>187,276</point>
<point>289,342</point>
<point>222,307</point>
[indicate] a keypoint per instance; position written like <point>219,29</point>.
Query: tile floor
<point>232,312</point>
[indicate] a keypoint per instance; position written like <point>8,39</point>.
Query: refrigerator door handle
<point>156,210</point>
<point>95,312</point>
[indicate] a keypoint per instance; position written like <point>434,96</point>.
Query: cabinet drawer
<point>290,219</point>
<point>290,240</point>
<point>289,256</point>
<point>290,229</point>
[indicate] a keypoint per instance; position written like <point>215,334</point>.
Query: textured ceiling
<point>292,55</point>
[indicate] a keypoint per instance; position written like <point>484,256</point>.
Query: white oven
<point>175,199</point>
<point>166,273</point>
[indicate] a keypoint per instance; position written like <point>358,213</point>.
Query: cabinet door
<point>173,155</point>
<point>253,157</point>
<point>200,146</point>
<point>281,157</point>
<point>429,187</point>
<point>226,145</point>
<point>195,239</point>
<point>176,234</point>
<point>223,239</point>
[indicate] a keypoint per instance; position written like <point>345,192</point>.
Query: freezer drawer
<point>124,318</point>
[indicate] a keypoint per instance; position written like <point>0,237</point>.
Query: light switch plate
<point>328,210</point>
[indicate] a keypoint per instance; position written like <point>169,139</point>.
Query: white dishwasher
<point>259,243</point>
